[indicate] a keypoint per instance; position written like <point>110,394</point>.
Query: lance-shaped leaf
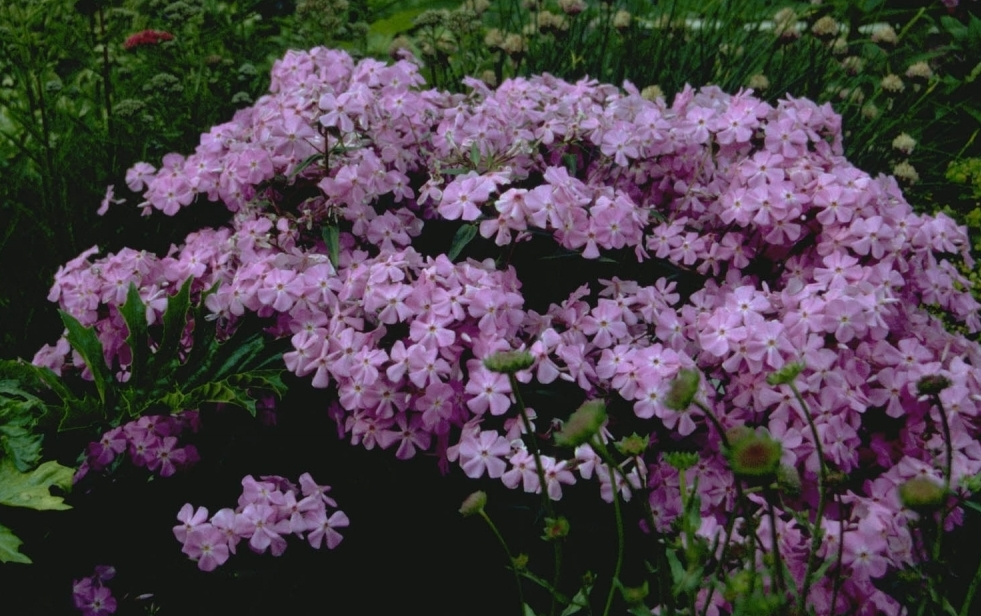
<point>134,313</point>
<point>86,342</point>
<point>460,240</point>
<point>9,544</point>
<point>332,237</point>
<point>33,489</point>
<point>174,322</point>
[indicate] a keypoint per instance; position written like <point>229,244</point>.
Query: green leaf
<point>331,234</point>
<point>86,342</point>
<point>32,490</point>
<point>474,154</point>
<point>529,611</point>
<point>462,237</point>
<point>23,445</point>
<point>134,313</point>
<point>309,160</point>
<point>174,322</point>
<point>9,544</point>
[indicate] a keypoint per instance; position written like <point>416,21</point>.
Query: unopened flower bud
<point>509,362</point>
<point>683,390</point>
<point>635,595</point>
<point>921,494</point>
<point>556,528</point>
<point>473,504</point>
<point>681,460</point>
<point>788,479</point>
<point>633,445</point>
<point>582,424</point>
<point>785,375</point>
<point>932,384</point>
<point>756,455</point>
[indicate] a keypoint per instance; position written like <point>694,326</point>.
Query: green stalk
<point>817,533</point>
<point>546,501</point>
<point>507,550</point>
<point>611,463</point>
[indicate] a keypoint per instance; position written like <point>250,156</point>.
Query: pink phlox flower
<point>488,390</point>
<point>556,473</point>
<point>425,365</point>
<point>409,433</point>
<point>259,492</point>
<point>208,546</point>
<point>463,197</point>
<point>189,518</point>
<point>224,522</point>
<point>626,482</point>
<point>326,531</point>
<point>720,331</point>
<point>483,452</point>
<point>311,488</point>
<point>523,471</point>
<point>138,175</point>
<point>168,457</point>
<point>99,602</point>
<point>263,526</point>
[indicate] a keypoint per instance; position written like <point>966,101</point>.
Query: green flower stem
<point>779,582</point>
<point>546,501</point>
<point>604,453</point>
<point>948,472</point>
<point>817,533</point>
<point>971,590</point>
<point>507,550</point>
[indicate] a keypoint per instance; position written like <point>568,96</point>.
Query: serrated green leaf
<point>461,238</point>
<point>86,342</point>
<point>32,490</point>
<point>22,445</point>
<point>134,313</point>
<point>9,544</point>
<point>332,237</point>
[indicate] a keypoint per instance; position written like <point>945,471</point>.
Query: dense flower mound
<point>752,243</point>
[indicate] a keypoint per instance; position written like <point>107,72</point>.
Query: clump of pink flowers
<point>268,511</point>
<point>150,441</point>
<point>754,245</point>
<point>91,596</point>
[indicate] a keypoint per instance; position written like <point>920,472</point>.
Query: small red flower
<point>147,37</point>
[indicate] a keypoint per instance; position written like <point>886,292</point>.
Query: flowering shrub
<point>792,286</point>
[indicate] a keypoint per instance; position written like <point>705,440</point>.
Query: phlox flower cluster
<point>753,242</point>
<point>150,441</point>
<point>91,596</point>
<point>268,511</point>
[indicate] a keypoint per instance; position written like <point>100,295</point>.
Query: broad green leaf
<point>134,313</point>
<point>32,490</point>
<point>86,342</point>
<point>23,445</point>
<point>9,544</point>
<point>462,237</point>
<point>529,611</point>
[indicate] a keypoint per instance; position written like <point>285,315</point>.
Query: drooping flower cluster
<point>751,243</point>
<point>91,596</point>
<point>150,441</point>
<point>268,510</point>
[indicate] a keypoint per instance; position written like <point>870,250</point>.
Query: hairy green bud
<point>921,494</point>
<point>785,375</point>
<point>633,445</point>
<point>683,390</point>
<point>556,528</point>
<point>754,455</point>
<point>582,425</point>
<point>509,362</point>
<point>932,384</point>
<point>473,504</point>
